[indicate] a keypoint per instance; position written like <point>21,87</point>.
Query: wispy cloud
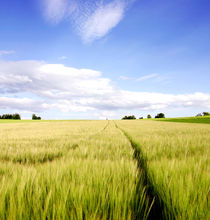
<point>62,58</point>
<point>142,78</point>
<point>91,19</point>
<point>103,19</point>
<point>126,78</point>
<point>150,76</point>
<point>57,10</point>
<point>6,52</point>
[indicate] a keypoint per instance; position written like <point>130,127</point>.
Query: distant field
<point>13,121</point>
<point>140,169</point>
<point>202,120</point>
<point>34,121</point>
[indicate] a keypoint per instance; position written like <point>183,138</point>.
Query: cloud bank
<point>68,89</point>
<point>92,19</point>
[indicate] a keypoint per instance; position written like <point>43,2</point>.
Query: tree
<point>140,117</point>
<point>160,115</point>
<point>129,117</point>
<point>149,116</point>
<point>6,116</point>
<point>34,117</point>
<point>16,116</point>
<point>206,113</point>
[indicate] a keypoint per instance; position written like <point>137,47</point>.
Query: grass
<point>202,119</point>
<point>176,162</point>
<point>139,169</point>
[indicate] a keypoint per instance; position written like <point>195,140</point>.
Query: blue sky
<point>96,59</point>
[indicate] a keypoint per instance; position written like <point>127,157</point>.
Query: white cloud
<point>51,80</point>
<point>6,52</point>
<point>63,88</point>
<point>92,19</point>
<point>24,104</point>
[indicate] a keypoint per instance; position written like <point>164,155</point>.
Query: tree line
<point>15,116</point>
<point>159,115</point>
<point>203,114</point>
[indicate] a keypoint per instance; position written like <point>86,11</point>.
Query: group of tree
<point>15,116</point>
<point>34,117</point>
<point>159,115</point>
<point>148,116</point>
<point>203,114</point>
<point>128,117</point>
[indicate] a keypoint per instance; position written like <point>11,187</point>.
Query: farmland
<point>177,164</point>
<point>104,170</point>
<point>199,119</point>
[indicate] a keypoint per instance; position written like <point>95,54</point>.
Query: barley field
<point>138,169</point>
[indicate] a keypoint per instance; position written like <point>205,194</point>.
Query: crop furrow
<point>157,206</point>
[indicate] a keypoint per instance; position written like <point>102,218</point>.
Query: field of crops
<point>140,169</point>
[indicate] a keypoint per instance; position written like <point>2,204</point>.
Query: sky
<point>97,59</point>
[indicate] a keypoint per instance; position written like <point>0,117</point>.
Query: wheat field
<point>137,169</point>
<point>177,164</point>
